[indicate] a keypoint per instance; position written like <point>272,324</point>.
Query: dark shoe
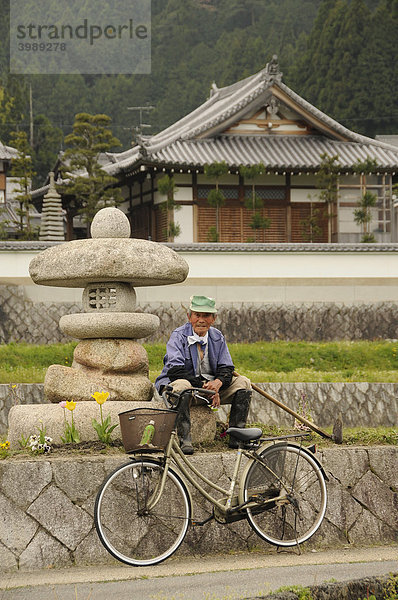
<point>186,447</point>
<point>233,443</point>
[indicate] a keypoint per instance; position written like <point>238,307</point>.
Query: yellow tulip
<point>100,397</point>
<point>70,405</point>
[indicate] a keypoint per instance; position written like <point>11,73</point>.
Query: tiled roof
<point>197,138</point>
<point>7,152</point>
<point>288,247</point>
<point>284,152</point>
<point>228,247</point>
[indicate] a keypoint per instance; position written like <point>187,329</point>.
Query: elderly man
<point>197,356</point>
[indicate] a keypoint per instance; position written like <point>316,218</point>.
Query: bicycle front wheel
<point>131,527</point>
<point>291,476</point>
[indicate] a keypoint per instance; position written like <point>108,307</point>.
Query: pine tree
<point>47,142</point>
<point>363,215</point>
<point>216,198</point>
<point>254,203</point>
<point>166,187</point>
<point>5,105</point>
<point>88,186</point>
<point>327,182</point>
<point>23,173</point>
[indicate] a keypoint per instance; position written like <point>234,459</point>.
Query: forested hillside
<point>342,55</point>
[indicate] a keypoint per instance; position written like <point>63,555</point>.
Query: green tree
<point>319,53</point>
<point>46,146</point>
<point>4,221</point>
<point>254,203</point>
<point>310,229</point>
<point>363,215</point>
<point>166,187</point>
<point>5,105</point>
<point>259,222</point>
<point>216,198</point>
<point>23,173</point>
<point>16,103</point>
<point>87,185</point>
<point>328,184</point>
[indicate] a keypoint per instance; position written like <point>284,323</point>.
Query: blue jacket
<point>180,359</point>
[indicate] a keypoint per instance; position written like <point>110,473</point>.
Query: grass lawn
<point>261,362</point>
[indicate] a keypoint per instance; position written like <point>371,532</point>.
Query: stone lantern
<point>108,356</point>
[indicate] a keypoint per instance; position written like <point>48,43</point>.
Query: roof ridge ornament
<point>214,89</point>
<point>273,108</point>
<point>272,69</point>
<point>143,144</point>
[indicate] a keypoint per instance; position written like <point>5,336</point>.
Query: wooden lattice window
<point>160,225</point>
<point>234,222</point>
<point>301,211</point>
<point>141,219</point>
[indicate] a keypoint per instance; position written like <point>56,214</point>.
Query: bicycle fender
<point>313,456</point>
<point>280,444</point>
<point>176,474</point>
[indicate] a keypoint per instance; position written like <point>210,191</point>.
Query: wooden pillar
<point>194,181</point>
<point>288,208</point>
<point>241,198</point>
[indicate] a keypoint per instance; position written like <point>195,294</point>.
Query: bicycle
<point>144,508</point>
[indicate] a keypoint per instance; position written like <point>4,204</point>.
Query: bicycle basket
<point>132,425</point>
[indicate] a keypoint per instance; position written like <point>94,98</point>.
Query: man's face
<point>201,322</point>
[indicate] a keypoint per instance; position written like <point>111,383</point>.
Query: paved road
<point>229,577</point>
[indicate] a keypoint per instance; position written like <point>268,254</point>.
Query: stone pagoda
<point>52,216</point>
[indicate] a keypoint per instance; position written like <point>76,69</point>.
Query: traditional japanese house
<point>258,120</point>
<point>8,215</point>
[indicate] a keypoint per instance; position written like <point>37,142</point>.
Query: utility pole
<point>30,115</point>
<point>138,128</point>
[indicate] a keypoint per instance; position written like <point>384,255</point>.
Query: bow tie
<point>197,339</point>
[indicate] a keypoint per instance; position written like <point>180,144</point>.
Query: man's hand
<point>214,385</point>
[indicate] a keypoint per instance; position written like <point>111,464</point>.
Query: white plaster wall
<point>303,179</point>
<point>227,179</point>
<point>233,277</point>
<point>304,195</point>
<point>184,218</point>
<point>346,222</point>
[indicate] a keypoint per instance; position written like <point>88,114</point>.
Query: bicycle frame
<point>225,505</point>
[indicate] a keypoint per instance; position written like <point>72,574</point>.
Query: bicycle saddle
<point>245,435</point>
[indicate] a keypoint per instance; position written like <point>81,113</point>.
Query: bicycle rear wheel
<point>128,527</point>
<point>291,473</point>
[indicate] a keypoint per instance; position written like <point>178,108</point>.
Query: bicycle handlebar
<point>168,394</point>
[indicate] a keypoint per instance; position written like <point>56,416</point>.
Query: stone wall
<point>46,507</point>
<point>21,393</point>
<point>361,404</point>
<point>22,320</point>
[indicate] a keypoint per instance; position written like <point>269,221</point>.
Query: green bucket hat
<point>202,304</point>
